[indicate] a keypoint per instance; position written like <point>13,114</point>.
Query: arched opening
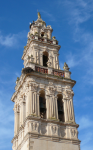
<point>42,34</point>
<point>60,108</point>
<point>42,104</point>
<point>45,58</point>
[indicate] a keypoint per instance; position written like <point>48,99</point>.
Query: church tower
<point>43,98</point>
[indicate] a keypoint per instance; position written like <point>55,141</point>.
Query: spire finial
<point>39,16</point>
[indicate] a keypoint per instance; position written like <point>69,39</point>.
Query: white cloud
<point>72,60</point>
<point>86,139</point>
<point>84,122</point>
<point>12,40</point>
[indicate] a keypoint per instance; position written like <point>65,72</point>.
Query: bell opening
<point>42,104</point>
<point>45,59</point>
<point>60,108</point>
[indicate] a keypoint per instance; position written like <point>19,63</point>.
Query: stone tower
<point>43,98</point>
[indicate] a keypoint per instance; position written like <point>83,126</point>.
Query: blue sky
<point>72,23</point>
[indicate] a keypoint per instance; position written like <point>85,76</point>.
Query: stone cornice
<point>41,75</point>
<point>46,137</point>
<point>45,121</point>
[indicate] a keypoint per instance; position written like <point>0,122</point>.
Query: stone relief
<point>43,129</point>
<point>42,86</point>
<point>73,132</point>
<point>51,90</point>
<point>54,130</point>
<point>67,94</point>
<point>33,86</point>
<point>51,83</point>
<point>63,132</point>
<point>34,126</point>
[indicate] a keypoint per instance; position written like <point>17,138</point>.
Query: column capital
<point>33,86</point>
<point>68,94</point>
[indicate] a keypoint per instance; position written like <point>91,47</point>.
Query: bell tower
<point>43,98</point>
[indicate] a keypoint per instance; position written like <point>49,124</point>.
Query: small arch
<point>60,107</point>
<point>45,58</point>
<point>42,34</point>
<point>42,104</point>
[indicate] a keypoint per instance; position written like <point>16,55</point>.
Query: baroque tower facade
<point>43,98</point>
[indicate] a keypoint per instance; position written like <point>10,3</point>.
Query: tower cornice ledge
<point>41,75</point>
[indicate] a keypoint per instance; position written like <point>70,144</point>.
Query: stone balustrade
<point>42,70</point>
<point>59,73</point>
<point>45,70</point>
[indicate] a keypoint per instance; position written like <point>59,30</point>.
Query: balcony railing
<point>58,73</point>
<point>42,70</point>
<point>45,70</point>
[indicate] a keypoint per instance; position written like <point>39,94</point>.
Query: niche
<point>60,108</point>
<point>42,104</point>
<point>45,58</point>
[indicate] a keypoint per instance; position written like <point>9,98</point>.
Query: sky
<point>72,23</point>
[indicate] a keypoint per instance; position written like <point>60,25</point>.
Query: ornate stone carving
<point>66,68</point>
<point>50,83</point>
<point>63,132</point>
<point>54,130</point>
<point>34,126</point>
<point>51,90</point>
<point>43,129</point>
<point>33,86</point>
<point>42,86</point>
<point>73,132</point>
<point>67,94</point>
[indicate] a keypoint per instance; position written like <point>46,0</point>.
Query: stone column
<point>52,110</point>
<point>38,109</point>
<point>41,58</point>
<point>47,107</point>
<point>32,100</point>
<point>68,107</point>
<point>56,108</point>
<point>72,116</point>
<point>16,124</point>
<point>23,110</point>
<point>65,109</point>
<point>27,100</point>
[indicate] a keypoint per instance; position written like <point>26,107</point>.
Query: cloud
<point>85,122</point>
<point>49,15</point>
<point>72,60</point>
<point>87,138</point>
<point>12,40</point>
<point>80,11</point>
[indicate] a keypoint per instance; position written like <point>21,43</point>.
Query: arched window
<point>42,104</point>
<point>60,108</point>
<point>42,34</point>
<point>45,58</point>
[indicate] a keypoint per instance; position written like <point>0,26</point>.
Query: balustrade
<point>58,73</point>
<point>42,70</point>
